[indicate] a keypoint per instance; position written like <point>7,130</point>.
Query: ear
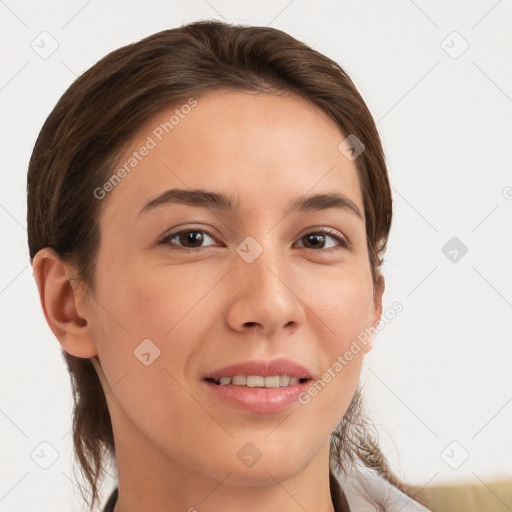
<point>378,291</point>
<point>61,300</point>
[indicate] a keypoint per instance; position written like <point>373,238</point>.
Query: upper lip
<point>265,368</point>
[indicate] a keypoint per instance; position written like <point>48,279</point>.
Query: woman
<point>207,214</point>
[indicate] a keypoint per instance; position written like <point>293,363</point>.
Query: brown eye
<point>319,239</point>
<point>187,239</point>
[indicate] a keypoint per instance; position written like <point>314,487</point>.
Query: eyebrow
<point>220,201</point>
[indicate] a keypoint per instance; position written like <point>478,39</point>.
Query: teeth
<point>239,380</point>
<point>272,382</point>
<point>257,381</point>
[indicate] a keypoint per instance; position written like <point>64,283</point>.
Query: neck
<point>152,480</point>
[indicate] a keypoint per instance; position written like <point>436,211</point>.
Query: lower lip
<point>259,400</point>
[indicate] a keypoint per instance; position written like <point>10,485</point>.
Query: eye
<point>190,238</point>
<point>317,240</point>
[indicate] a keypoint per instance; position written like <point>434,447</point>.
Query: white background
<point>440,371</point>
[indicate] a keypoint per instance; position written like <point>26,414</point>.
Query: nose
<point>266,294</point>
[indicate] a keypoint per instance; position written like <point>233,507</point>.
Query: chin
<point>269,464</point>
<point>262,474</point>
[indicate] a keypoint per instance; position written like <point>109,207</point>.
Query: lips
<point>252,385</point>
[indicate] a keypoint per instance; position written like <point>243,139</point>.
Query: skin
<point>176,445</point>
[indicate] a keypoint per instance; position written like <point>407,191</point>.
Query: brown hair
<point>76,151</point>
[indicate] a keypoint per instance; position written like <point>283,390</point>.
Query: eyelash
<point>343,242</point>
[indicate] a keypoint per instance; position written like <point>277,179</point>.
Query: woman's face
<point>246,284</point>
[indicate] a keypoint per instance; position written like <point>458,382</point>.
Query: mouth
<point>263,387</point>
<point>259,381</point>
<point>260,373</point>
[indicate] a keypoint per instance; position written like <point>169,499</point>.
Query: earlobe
<point>59,304</point>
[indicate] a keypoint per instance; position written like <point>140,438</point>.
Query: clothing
<point>367,491</point>
<point>109,506</point>
<point>364,490</point>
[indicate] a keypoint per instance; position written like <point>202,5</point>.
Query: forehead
<point>264,148</point>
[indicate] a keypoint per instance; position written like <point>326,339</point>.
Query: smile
<point>258,381</point>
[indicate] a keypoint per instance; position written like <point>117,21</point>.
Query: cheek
<point>146,305</point>
<point>345,308</point>
<point>166,305</point>
<point>150,301</point>
<point>346,313</point>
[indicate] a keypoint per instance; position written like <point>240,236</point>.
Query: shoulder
<point>367,491</point>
